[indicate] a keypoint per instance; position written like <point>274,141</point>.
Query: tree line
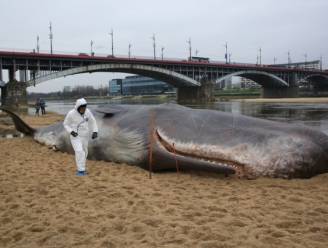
<point>68,93</point>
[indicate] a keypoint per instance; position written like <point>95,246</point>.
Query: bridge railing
<point>86,54</point>
<point>106,55</point>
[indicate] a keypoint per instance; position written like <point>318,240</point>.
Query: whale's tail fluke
<point>20,125</point>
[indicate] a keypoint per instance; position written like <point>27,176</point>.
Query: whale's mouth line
<point>214,161</point>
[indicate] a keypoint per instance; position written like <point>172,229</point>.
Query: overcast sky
<point>277,26</point>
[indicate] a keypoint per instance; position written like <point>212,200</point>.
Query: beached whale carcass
<point>168,135</point>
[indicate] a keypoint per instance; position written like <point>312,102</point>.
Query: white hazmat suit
<point>82,124</point>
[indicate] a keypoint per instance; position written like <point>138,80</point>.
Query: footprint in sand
<point>18,236</point>
<point>36,228</point>
<point>120,227</point>
<point>153,222</point>
<point>237,223</point>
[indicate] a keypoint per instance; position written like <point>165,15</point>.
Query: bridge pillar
<point>2,84</point>
<point>288,92</point>
<point>202,94</point>
<point>12,74</point>
<point>283,92</point>
<point>14,94</point>
<point>23,75</point>
<point>1,69</point>
<point>3,94</point>
<point>317,86</point>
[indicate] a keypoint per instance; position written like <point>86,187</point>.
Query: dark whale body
<point>170,135</point>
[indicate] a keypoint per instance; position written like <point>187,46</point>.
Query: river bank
<point>245,97</point>
<point>43,204</point>
<point>286,100</point>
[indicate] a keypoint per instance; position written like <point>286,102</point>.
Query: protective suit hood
<point>80,102</point>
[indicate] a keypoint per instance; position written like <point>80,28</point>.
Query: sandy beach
<point>43,204</point>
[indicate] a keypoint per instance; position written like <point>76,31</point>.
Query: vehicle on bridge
<point>83,54</point>
<point>200,59</point>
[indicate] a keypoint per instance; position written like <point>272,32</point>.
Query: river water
<point>313,115</point>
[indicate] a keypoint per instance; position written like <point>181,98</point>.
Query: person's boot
<point>81,173</point>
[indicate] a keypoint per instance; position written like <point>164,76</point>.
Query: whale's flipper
<point>20,125</point>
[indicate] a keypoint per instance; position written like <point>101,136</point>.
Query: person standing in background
<point>43,106</point>
<point>37,107</point>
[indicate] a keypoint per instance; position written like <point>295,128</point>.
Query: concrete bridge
<point>194,79</point>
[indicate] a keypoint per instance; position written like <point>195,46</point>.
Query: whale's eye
<point>108,115</point>
<point>111,111</point>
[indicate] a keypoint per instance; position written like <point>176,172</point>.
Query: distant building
<point>138,85</point>
<point>224,84</point>
<point>246,83</point>
<point>67,89</point>
<point>312,65</point>
<point>115,87</point>
<point>228,83</point>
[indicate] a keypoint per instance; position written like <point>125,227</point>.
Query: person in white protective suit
<point>79,123</point>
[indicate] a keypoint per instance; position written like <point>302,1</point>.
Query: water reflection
<point>314,115</point>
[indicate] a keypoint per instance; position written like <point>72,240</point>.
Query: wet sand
<point>286,100</point>
<point>43,204</point>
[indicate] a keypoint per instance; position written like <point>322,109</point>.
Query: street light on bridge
<point>130,50</point>
<point>226,52</point>
<point>260,50</point>
<point>190,48</point>
<point>112,39</point>
<point>154,45</point>
<point>91,47</point>
<point>37,44</point>
<point>50,37</point>
<point>162,52</point>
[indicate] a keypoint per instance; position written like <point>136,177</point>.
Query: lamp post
<point>91,47</point>
<point>260,50</point>
<point>130,50</point>
<point>112,39</point>
<point>321,63</point>
<point>274,60</point>
<point>226,52</point>
<point>190,48</point>
<point>37,44</point>
<point>196,52</point>
<point>154,45</point>
<point>162,52</point>
<point>50,37</point>
<point>289,59</point>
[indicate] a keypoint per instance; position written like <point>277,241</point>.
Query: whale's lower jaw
<point>284,161</point>
<point>194,153</point>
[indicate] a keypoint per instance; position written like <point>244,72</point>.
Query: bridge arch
<point>318,80</point>
<point>267,80</point>
<point>170,77</point>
